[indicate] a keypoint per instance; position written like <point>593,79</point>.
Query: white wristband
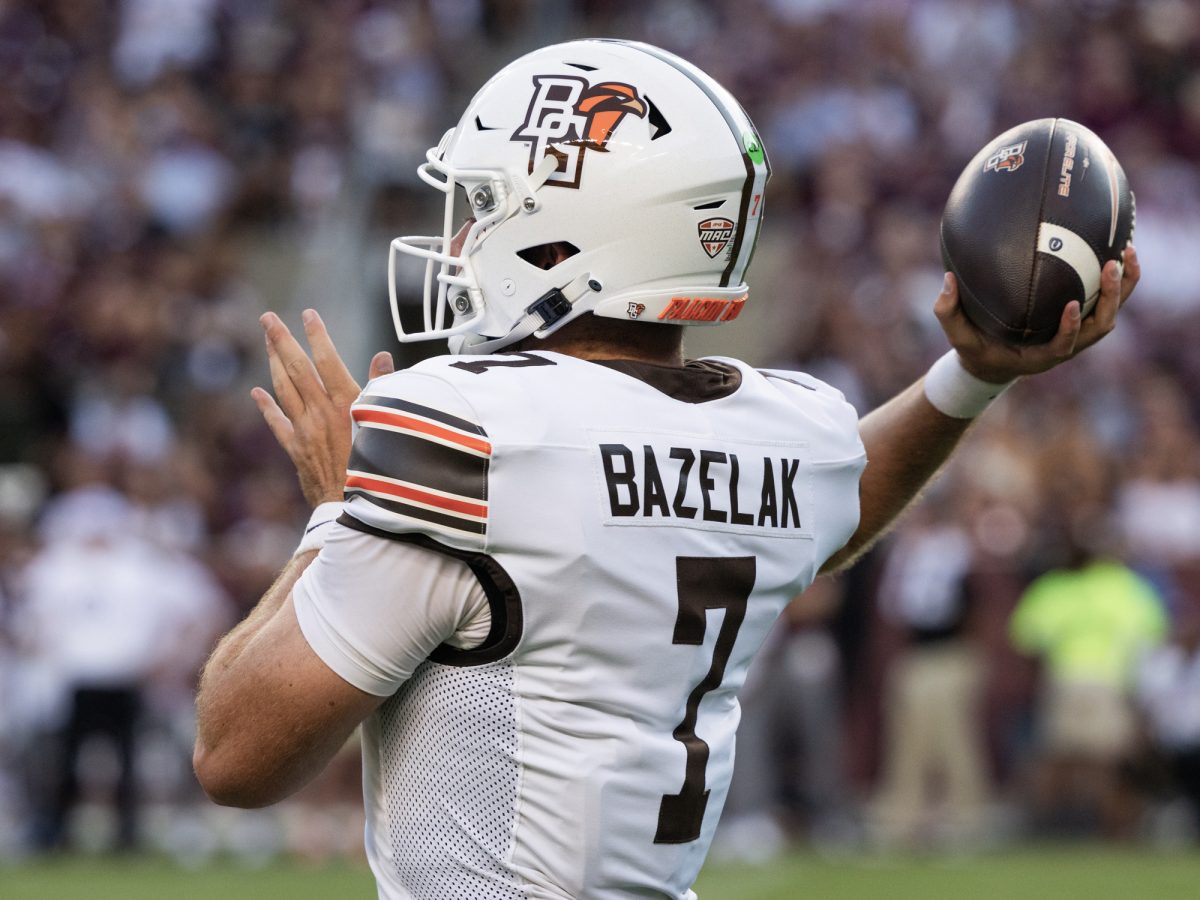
<point>319,526</point>
<point>956,392</point>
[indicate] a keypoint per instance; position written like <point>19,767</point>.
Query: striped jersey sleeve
<point>420,461</point>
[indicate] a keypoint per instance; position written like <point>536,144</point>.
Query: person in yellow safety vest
<point>1089,623</point>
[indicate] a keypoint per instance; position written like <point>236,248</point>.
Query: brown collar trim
<point>696,381</point>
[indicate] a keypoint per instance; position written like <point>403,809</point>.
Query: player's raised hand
<point>995,361</point>
<point>310,412</point>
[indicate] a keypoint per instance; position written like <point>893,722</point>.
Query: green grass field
<point>1086,873</point>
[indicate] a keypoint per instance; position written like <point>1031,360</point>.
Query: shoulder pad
<point>420,460</point>
<point>826,407</point>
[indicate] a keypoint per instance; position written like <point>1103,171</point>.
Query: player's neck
<point>594,338</point>
<point>606,350</point>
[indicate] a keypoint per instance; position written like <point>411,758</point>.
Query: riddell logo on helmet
<point>568,116</point>
<point>703,309</point>
<point>1006,159</point>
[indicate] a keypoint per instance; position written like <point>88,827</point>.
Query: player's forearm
<point>230,647</point>
<point>260,754</point>
<point>907,441</point>
<point>228,682</point>
<point>271,712</point>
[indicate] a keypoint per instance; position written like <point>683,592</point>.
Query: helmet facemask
<point>451,288</point>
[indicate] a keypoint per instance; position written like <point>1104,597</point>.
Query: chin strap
<point>541,317</point>
<point>557,303</point>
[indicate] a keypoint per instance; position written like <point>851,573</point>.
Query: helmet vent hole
<point>582,67</point>
<point>547,256</point>
<point>659,126</point>
<point>716,204</point>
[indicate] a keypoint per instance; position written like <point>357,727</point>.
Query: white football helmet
<point>645,169</point>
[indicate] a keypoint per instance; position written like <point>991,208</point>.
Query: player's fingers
<point>381,364</point>
<point>1104,318</point>
<point>334,375</point>
<point>1062,345</point>
<point>289,398</point>
<point>280,424</point>
<point>1132,273</point>
<point>294,362</point>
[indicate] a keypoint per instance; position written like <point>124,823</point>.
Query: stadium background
<point>171,168</point>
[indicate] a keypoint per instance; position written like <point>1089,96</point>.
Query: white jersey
<point>637,529</point>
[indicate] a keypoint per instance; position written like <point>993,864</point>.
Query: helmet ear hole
<point>547,256</point>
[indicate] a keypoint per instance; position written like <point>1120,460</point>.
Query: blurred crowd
<point>1019,658</point>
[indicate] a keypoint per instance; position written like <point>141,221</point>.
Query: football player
<point>539,574</point>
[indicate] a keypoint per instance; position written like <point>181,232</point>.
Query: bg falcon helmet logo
<point>1006,159</point>
<point>568,116</point>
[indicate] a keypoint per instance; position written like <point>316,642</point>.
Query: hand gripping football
<point>1029,225</point>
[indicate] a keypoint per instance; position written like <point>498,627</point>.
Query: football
<point>1029,225</point>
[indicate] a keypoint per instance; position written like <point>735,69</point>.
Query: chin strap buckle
<point>557,303</point>
<point>550,307</point>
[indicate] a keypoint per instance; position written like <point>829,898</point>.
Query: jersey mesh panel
<point>449,769</point>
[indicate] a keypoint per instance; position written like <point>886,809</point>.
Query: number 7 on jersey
<point>703,583</point>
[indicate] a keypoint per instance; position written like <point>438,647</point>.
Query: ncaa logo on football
<point>1006,159</point>
<point>714,235</point>
<point>568,116</point>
